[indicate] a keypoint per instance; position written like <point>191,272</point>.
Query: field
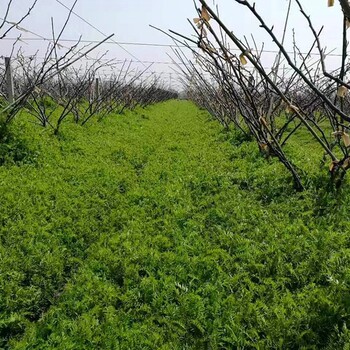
<point>158,229</point>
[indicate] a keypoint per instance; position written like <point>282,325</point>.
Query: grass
<point>159,230</point>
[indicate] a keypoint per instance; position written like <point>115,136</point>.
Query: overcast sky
<point>129,20</point>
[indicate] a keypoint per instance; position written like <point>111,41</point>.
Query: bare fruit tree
<point>272,105</point>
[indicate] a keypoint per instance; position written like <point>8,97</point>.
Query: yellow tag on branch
<point>342,91</point>
<point>205,14</point>
<point>346,139</point>
<point>242,59</point>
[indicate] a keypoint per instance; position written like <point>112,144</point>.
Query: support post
<point>97,89</point>
<point>9,80</point>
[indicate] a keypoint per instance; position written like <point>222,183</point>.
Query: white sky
<point>129,20</point>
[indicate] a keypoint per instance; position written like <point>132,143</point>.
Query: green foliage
<point>158,230</point>
<point>13,148</point>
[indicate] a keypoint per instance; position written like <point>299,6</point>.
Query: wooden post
<point>9,80</point>
<point>97,95</point>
